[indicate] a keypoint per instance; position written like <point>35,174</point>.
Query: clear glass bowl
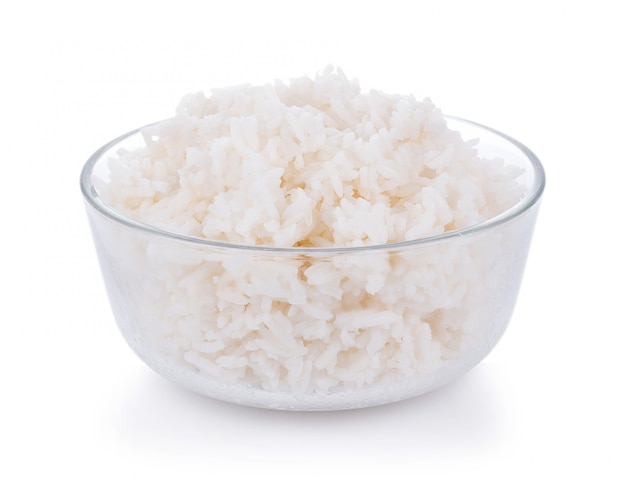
<point>315,329</point>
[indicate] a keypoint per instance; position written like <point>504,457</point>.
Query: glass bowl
<point>315,328</point>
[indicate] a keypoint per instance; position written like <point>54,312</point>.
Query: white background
<point>550,398</point>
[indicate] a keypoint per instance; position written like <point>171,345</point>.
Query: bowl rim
<point>532,197</point>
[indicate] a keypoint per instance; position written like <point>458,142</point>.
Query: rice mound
<point>315,163</point>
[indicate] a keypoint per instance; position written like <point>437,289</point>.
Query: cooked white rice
<point>315,163</point>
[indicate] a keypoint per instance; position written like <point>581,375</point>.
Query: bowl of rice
<point>309,246</point>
